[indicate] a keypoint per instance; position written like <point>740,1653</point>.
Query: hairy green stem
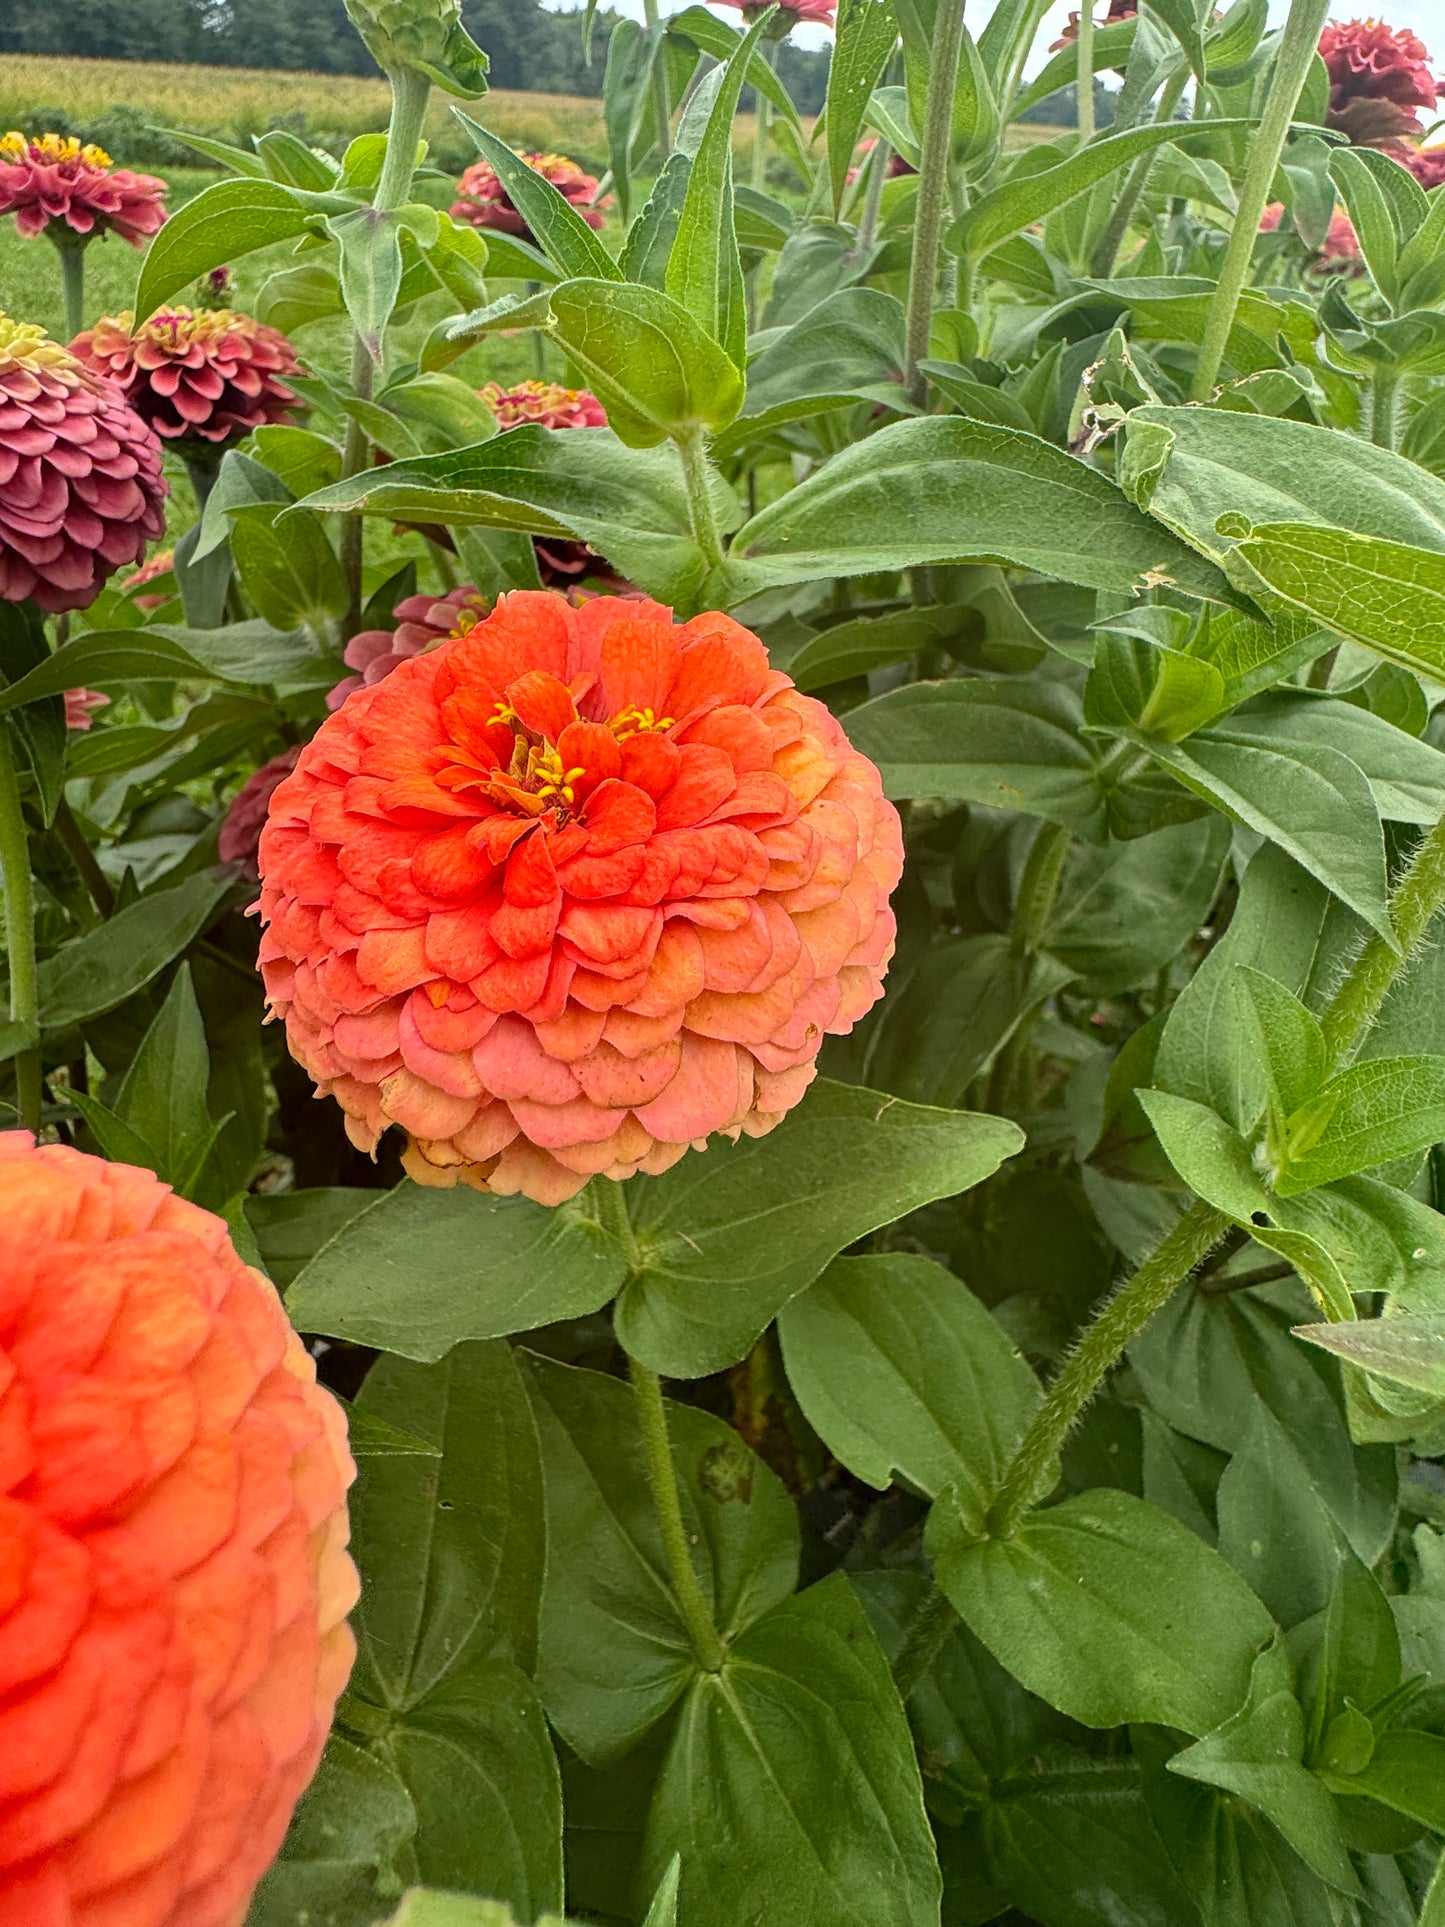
<point>609,1197</point>
<point>410,92</point>
<point>19,930</point>
<point>1291,66</point>
<point>1135,181</point>
<point>925,1640</point>
<point>873,196</point>
<point>1038,886</point>
<point>935,159</point>
<point>1084,81</point>
<point>71,249</point>
<point>77,847</point>
<point>1414,903</point>
<point>662,1478</point>
<point>697,479</point>
<point>1123,1317</point>
<point>1383,394</point>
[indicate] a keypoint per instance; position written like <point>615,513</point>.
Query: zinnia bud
<point>485,203</point>
<point>174,1582</point>
<point>424,35</point>
<point>56,179</point>
<point>81,488</point>
<point>1378,76</point>
<point>573,892</point>
<point>204,374</point>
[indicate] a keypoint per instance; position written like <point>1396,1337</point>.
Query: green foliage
<point>1043,1521</point>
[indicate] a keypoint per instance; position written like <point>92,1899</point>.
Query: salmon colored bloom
<point>485,203</point>
<point>573,892</point>
<point>174,1581</point>
<point>546,403</point>
<point>81,489</point>
<point>196,373</point>
<point>54,178</point>
<point>80,707</point>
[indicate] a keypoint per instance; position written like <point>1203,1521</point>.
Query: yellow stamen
<point>635,722</point>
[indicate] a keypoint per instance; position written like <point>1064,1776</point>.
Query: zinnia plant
<point>174,1581</point>
<point>614,882</point>
<point>801,958</point>
<point>73,195</point>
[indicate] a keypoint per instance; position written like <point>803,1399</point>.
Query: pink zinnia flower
<point>1378,76</point>
<point>80,707</point>
<point>422,622</point>
<point>485,203</point>
<point>241,832</point>
<point>210,374</point>
<point>56,179</point>
<point>81,489</point>
<point>1118,10</point>
<point>1427,164</point>
<point>1341,249</point>
<point>547,403</point>
<point>573,892</point>
<point>791,13</point>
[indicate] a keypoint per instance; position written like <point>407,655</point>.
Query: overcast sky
<point>1427,17</point>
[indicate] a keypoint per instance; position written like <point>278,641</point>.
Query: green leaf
<point>715,37</point>
<point>802,1742</point>
<point>416,1271</point>
<point>950,490</point>
<point>650,363</point>
<point>1124,910</point>
<point>354,1824</point>
<point>1406,1773</point>
<point>1190,467</point>
<point>451,1553</point>
<point>240,483</point>
<point>301,459</point>
<point>369,240</point>
<point>1024,199</point>
<point>869,642</point>
<point>287,566</point>
<point>851,344</point>
<point>218,226</point>
<point>704,269</point>
<point>1309,799</point>
<point>1161,693</point>
<point>103,656</point>
<point>1371,216</point>
<point>1370,1113</point>
<point>1386,595</point>
<point>663,1911</point>
<point>560,231</point>
<point>1294,1045</point>
<point>902,1372</point>
<point>1257,1754</point>
<point>1274,1528</point>
<point>1403,1349</point>
<point>370,1437</point>
<point>95,972</point>
<point>1013,744</point>
<point>1406,776</point>
<point>1112,41</point>
<point>728,1237</point>
<point>627,503</point>
<point>627,94</point>
<point>163,1097</point>
<point>425,1907</point>
<point>864,37</point>
<point>615,1653</point>
<point>1107,1608</point>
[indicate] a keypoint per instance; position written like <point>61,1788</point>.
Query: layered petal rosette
<point>1379,77</point>
<point>174,1581</point>
<point>791,13</point>
<point>204,374</point>
<point>56,179</point>
<point>81,489</point>
<point>546,403</point>
<point>485,203</point>
<point>573,892</point>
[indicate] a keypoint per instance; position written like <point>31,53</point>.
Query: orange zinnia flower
<point>572,892</point>
<point>174,1582</point>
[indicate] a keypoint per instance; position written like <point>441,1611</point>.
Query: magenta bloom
<point>1378,76</point>
<point>240,836</point>
<point>485,203</point>
<point>56,179</point>
<point>81,489</point>
<point>204,374</point>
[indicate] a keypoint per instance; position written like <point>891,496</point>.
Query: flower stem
<point>19,931</point>
<point>925,1640</point>
<point>1414,903</point>
<point>661,106</point>
<point>1291,66</point>
<point>697,479</point>
<point>410,92</point>
<point>662,1478</point>
<point>1084,80</point>
<point>1135,181</point>
<point>935,158</point>
<point>1382,406</point>
<point>1124,1316</point>
<point>71,250</point>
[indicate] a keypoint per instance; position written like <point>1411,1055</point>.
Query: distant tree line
<point>530,47</point>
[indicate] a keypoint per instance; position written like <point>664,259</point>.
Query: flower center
<point>537,779</point>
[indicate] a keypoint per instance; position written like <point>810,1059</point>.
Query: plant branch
<point>19,931</point>
<point>1417,898</point>
<point>935,159</point>
<point>1291,66</point>
<point>1123,1317</point>
<point>662,1478</point>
